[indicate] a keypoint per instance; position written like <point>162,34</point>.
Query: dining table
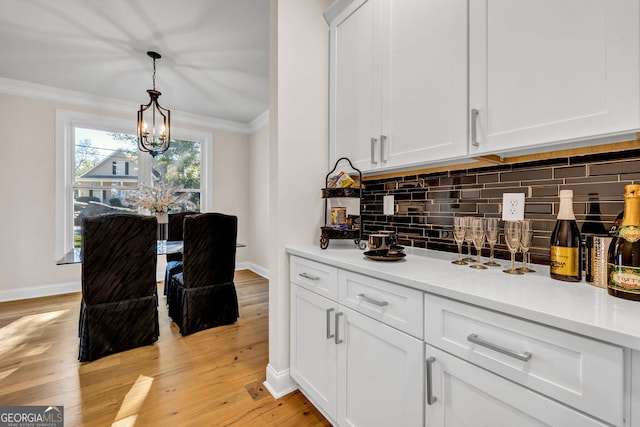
<point>74,255</point>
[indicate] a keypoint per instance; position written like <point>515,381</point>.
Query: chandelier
<point>154,133</point>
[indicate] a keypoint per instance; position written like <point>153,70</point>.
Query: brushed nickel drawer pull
<point>525,356</point>
<point>308,276</point>
<point>373,301</point>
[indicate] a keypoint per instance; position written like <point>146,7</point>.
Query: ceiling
<point>215,53</point>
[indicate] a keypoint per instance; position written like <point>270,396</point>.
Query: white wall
<point>258,231</point>
<point>298,147</point>
<point>27,134</point>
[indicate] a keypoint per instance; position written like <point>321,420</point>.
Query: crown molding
<point>259,122</point>
<point>82,99</point>
<point>336,8</point>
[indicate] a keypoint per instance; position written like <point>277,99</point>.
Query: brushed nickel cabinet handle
<point>308,276</point>
<point>329,334</point>
<point>373,301</point>
<point>374,142</point>
<point>383,144</point>
<point>525,356</point>
<point>431,399</point>
<point>337,337</point>
<point>474,125</point>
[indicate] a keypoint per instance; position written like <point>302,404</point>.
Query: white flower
<point>160,198</point>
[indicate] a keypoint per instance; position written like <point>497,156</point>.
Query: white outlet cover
<point>387,205</point>
<point>512,206</point>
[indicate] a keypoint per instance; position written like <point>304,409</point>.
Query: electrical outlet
<point>387,205</point>
<point>512,206</point>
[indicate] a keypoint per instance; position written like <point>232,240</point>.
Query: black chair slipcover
<point>174,261</point>
<point>204,294</point>
<point>119,292</point>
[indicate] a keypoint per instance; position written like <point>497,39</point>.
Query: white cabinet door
<point>398,83</point>
<point>462,394</point>
<point>354,100</point>
<point>313,350</point>
<point>549,71</point>
<point>380,374</point>
<point>424,81</point>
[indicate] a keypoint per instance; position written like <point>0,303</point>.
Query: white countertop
<point>576,307</point>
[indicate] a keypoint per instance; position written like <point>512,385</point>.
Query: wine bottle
<point>624,250</point>
<point>616,224</point>
<point>593,222</point>
<point>566,243</point>
<point>591,227</point>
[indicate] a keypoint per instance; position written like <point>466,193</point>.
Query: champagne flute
<point>468,235</point>
<point>477,231</point>
<point>526,235</point>
<point>512,238</point>
<point>458,235</point>
<point>492,239</point>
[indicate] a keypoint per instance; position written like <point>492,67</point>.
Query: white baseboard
<point>261,271</point>
<point>40,291</point>
<point>67,288</point>
<point>279,383</point>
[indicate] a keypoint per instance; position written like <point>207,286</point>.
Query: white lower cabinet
<point>462,394</point>
<point>360,354</point>
<point>356,369</point>
<point>529,372</point>
<point>379,373</point>
<point>313,350</point>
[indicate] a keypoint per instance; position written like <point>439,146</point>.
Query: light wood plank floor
<point>211,378</point>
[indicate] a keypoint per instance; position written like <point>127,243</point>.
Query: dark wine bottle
<point>593,222</point>
<point>616,224</point>
<point>624,250</point>
<point>566,244</point>
<point>591,227</point>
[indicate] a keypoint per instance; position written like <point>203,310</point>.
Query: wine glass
<point>477,231</point>
<point>512,239</point>
<point>458,235</point>
<point>492,239</point>
<point>468,235</point>
<point>526,235</point>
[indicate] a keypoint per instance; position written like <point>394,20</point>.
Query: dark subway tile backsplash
<point>425,204</point>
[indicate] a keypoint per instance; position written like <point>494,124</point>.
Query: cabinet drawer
<point>314,276</point>
<point>578,371</point>
<point>395,305</point>
<point>472,396</point>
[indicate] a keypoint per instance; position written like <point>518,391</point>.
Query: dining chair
<point>203,295</point>
<point>174,261</point>
<point>118,310</point>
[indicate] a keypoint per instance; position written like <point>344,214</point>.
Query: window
<point>98,164</point>
<point>180,165</point>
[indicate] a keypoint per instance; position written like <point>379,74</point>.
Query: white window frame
<point>67,121</point>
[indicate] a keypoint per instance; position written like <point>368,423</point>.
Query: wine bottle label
<point>624,278</point>
<point>630,233</point>
<point>564,261</point>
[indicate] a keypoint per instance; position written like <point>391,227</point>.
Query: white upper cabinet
<point>352,88</point>
<point>415,82</point>
<point>424,81</point>
<point>398,72</point>
<point>552,71</point>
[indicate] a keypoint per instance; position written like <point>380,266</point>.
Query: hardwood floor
<point>211,378</point>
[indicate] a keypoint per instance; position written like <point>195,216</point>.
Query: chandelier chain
<point>154,73</point>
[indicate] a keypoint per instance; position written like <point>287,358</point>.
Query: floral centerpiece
<point>161,197</point>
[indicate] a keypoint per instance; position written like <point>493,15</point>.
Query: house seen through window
<point>107,169</point>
